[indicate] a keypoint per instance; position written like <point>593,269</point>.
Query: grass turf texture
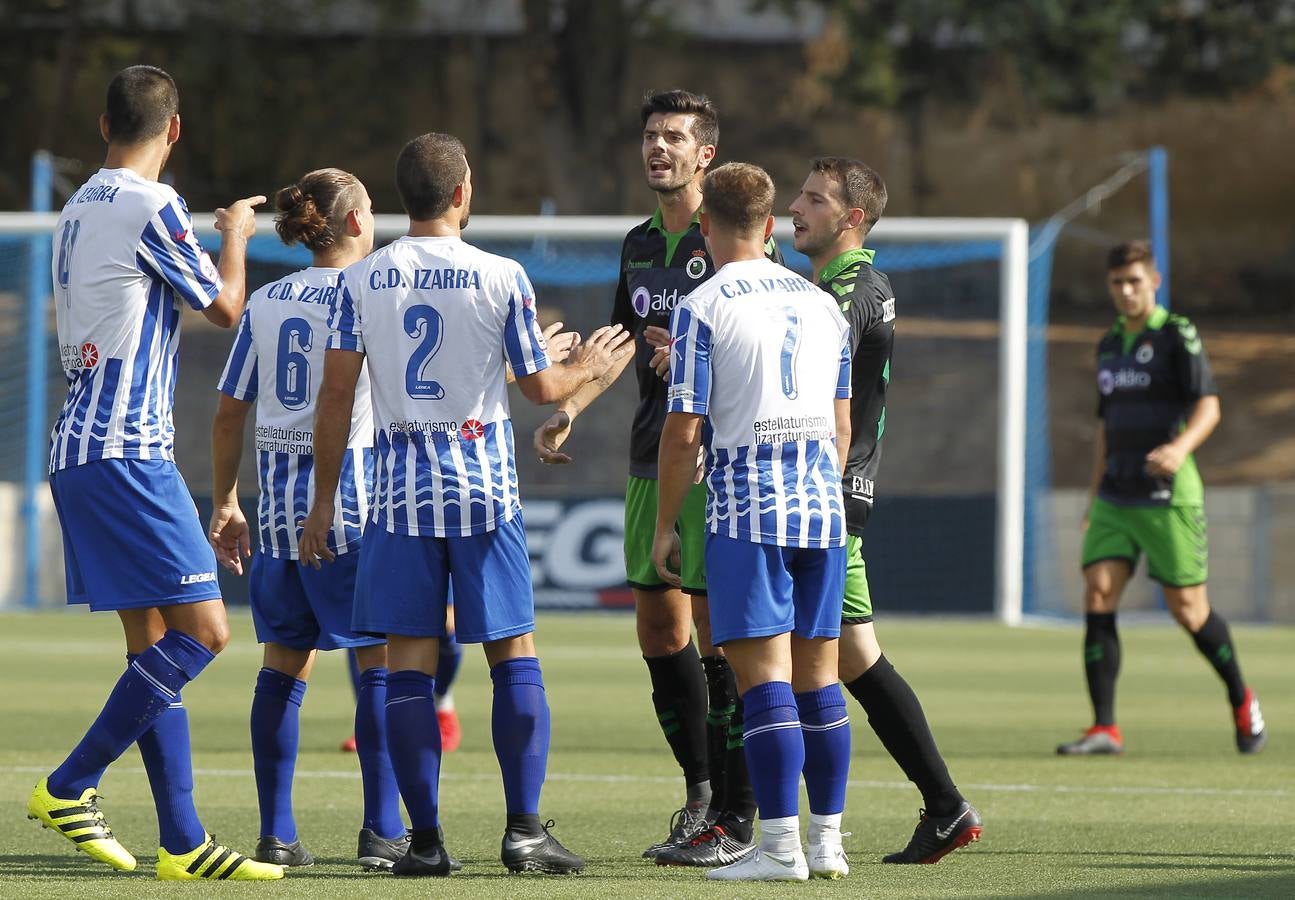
<point>1180,814</point>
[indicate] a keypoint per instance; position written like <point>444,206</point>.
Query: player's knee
<point>662,638</point>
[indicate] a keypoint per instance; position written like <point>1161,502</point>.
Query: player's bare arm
<point>676,465</point>
<point>587,362</point>
<point>236,224</point>
<point>228,532</point>
<point>332,428</point>
<point>555,430</point>
<point>843,431</point>
<point>1165,460</point>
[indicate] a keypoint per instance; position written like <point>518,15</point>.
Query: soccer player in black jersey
<point>693,689</point>
<point>837,206</point>
<point>1157,403</point>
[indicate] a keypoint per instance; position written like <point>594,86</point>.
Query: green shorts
<point>640,526</point>
<point>1172,537</point>
<point>857,609</point>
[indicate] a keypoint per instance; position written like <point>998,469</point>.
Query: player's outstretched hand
<point>665,554</point>
<point>229,537</point>
<point>313,543</point>
<point>550,436</point>
<point>240,216</point>
<point>605,347</point>
<point>560,343</point>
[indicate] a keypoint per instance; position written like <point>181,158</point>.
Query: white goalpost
<point>1010,235</point>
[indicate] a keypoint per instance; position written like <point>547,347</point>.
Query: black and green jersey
<point>1147,385</point>
<point>658,270</point>
<point>868,304</point>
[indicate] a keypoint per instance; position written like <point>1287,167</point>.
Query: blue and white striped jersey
<point>438,320</point>
<point>761,353</point>
<point>125,256</point>
<point>278,361</point>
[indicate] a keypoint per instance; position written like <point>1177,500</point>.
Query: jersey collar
<point>1159,316</point>
<point>848,258</point>
<point>655,223</point>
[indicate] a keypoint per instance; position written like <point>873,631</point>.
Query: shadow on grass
<point>1247,886</point>
<point>55,865</point>
<point>1112,853</point>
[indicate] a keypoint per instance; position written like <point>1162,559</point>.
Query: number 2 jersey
<point>762,353</point>
<point>438,320</point>
<point>278,361</point>
<point>125,257</point>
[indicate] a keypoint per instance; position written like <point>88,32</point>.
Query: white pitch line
<point>1138,790</point>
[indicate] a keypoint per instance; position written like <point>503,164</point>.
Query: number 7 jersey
<point>278,361</point>
<point>438,320</point>
<point>763,354</point>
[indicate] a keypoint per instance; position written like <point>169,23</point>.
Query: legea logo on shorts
<point>198,578</point>
<point>644,301</point>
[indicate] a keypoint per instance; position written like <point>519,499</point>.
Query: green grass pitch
<point>1181,814</point>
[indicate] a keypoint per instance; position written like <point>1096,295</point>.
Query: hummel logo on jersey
<point>523,845</point>
<point>943,833</point>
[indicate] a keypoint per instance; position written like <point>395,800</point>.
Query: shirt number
<point>292,374</point>
<point>790,344</point>
<point>425,325</point>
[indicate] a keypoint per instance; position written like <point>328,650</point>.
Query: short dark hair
<point>141,102</point>
<point>739,196</point>
<point>313,211</point>
<point>428,170</point>
<point>1128,253</point>
<point>858,186</point>
<point>705,120</point>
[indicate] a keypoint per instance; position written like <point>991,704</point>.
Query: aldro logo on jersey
<point>644,301</point>
<point>78,356</point>
<point>1124,379</point>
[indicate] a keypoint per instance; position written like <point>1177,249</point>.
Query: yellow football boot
<point>212,861</point>
<point>81,822</point>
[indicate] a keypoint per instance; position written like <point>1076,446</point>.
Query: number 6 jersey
<point>438,320</point>
<point>278,361</point>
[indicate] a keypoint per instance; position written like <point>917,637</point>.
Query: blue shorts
<point>304,609</point>
<point>131,536</point>
<point>758,590</point>
<point>404,582</point>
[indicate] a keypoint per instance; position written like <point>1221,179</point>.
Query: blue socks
<point>276,725</point>
<point>150,684</point>
<point>169,764</point>
<point>381,795</point>
<point>447,665</point>
<point>775,749</point>
<point>826,728</point>
<point>519,724</point>
<point>414,743</point>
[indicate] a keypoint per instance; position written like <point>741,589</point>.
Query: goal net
<point>951,532</point>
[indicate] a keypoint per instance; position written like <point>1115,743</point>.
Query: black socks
<point>897,717</point>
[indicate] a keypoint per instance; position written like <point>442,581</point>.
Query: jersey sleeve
<point>622,311</point>
<point>690,339</point>
<point>239,379</point>
<point>843,383</point>
<point>169,251</point>
<point>1192,366</point>
<point>345,322</point>
<point>524,344</point>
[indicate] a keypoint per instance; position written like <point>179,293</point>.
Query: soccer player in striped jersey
<point>126,264</point>
<point>438,322</point>
<point>837,206</point>
<point>662,260</point>
<point>276,362</point>
<point>1157,403</point>
<point>760,374</point>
